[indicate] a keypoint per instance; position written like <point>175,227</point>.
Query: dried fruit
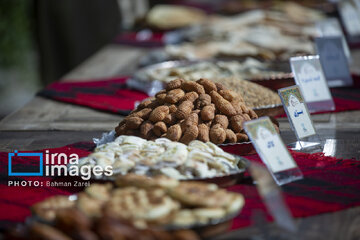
<point>207,84</point>
<point>184,110</point>
<point>159,113</point>
<point>217,134</point>
<point>174,84</point>
<point>159,128</point>
<point>222,120</point>
<point>207,113</point>
<point>189,86</point>
<point>174,95</point>
<point>222,104</point>
<point>203,133</point>
<point>190,134</point>
<point>174,133</point>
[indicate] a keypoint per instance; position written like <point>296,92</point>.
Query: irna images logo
<point>11,172</point>
<point>56,164</point>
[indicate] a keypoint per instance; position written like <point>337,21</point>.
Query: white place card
<point>309,76</point>
<point>331,27</point>
<point>333,61</point>
<point>350,16</point>
<point>297,112</point>
<point>272,196</point>
<point>272,150</point>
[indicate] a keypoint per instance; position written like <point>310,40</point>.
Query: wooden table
<point>44,123</point>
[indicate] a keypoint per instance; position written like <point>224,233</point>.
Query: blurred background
<point>41,40</point>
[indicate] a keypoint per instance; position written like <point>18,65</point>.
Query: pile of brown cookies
<point>145,202</point>
<point>72,224</point>
<point>187,110</point>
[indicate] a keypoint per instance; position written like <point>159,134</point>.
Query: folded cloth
<point>112,95</point>
<point>329,185</point>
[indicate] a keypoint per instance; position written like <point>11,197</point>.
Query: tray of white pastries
<point>195,161</point>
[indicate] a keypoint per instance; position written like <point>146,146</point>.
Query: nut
<point>242,137</point>
<point>173,96</point>
<point>203,100</point>
<point>145,103</point>
<point>133,122</point>
<point>121,128</point>
<point>170,119</point>
<point>230,95</point>
<point>252,114</point>
<point>203,133</point>
<point>174,133</point>
<point>143,113</point>
<point>207,84</point>
<point>238,106</point>
<point>230,136</point>
<point>159,128</point>
<point>246,117</point>
<point>207,113</point>
<point>189,86</point>
<point>159,113</point>
<point>160,96</point>
<point>219,86</point>
<point>222,120</point>
<point>172,108</point>
<point>192,120</point>
<point>222,104</point>
<point>190,96</point>
<point>184,110</point>
<point>174,84</point>
<point>146,128</point>
<point>217,134</point>
<point>237,123</point>
<point>190,134</point>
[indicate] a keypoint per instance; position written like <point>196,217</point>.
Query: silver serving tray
<point>226,180</point>
<point>140,82</point>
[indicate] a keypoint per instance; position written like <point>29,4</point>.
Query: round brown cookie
<point>47,209</point>
<point>197,194</point>
<point>146,182</point>
<point>45,232</point>
<point>131,203</point>
<point>99,191</point>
